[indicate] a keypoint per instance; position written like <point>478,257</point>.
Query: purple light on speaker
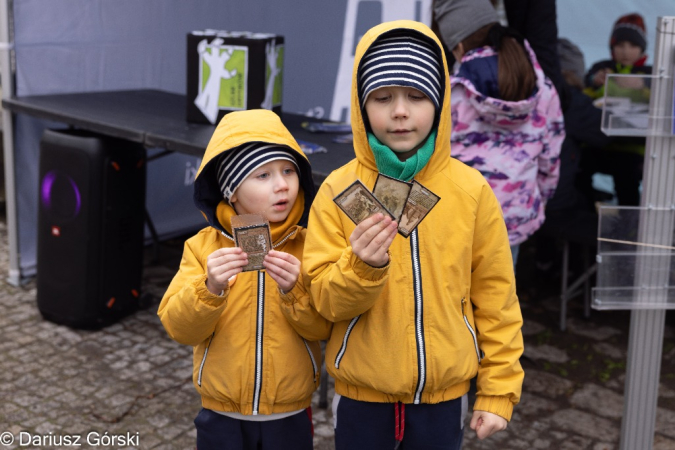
<point>78,199</point>
<point>46,190</point>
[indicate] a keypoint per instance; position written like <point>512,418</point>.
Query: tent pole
<point>7,79</point>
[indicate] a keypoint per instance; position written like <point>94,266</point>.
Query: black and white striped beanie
<point>401,60</point>
<point>236,165</point>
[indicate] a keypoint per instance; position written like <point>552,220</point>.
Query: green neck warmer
<point>389,164</point>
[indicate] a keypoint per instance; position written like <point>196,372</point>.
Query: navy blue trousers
<point>218,432</point>
<point>371,426</point>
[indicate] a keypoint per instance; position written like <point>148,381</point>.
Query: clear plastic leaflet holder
<point>635,262</point>
<point>635,271</point>
<point>625,106</point>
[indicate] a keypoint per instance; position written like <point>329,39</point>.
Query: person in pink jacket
<point>506,116</point>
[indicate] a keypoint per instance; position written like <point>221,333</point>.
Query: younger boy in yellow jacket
<point>254,366</point>
<point>415,319</point>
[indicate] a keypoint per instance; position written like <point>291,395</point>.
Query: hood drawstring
<point>399,423</point>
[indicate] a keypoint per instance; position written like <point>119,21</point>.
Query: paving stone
<point>559,435</point>
<point>149,441</point>
<point>23,399</point>
<point>612,351</point>
<point>575,443</point>
<point>546,384</point>
<point>158,421</point>
<point>529,434</point>
<point>324,430</point>
<point>172,431</point>
<point>142,366</point>
<point>585,424</point>
<point>598,400</point>
<point>546,353</point>
<point>598,333</point>
<point>8,407</point>
<point>541,443</point>
<point>160,359</point>
<point>121,364</point>
<point>532,328</point>
<point>617,383</point>
<point>41,408</point>
<point>663,443</point>
<point>665,422</point>
<point>604,446</point>
<point>664,391</point>
<point>535,405</point>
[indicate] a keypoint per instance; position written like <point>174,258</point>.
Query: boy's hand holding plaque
<point>406,203</point>
<point>418,204</point>
<point>252,234</point>
<point>392,193</point>
<point>359,203</point>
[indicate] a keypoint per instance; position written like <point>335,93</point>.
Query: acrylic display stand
<point>634,274</point>
<point>625,106</point>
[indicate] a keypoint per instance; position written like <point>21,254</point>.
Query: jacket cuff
<point>291,297</point>
<point>364,270</point>
<point>206,297</point>
<point>501,406</point>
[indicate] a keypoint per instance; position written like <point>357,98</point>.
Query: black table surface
<point>156,118</point>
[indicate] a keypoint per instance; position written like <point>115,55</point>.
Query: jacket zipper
<point>259,342</point>
<point>201,366</point>
<point>315,370</point>
<point>419,319</point>
<point>341,353</point>
<point>473,333</point>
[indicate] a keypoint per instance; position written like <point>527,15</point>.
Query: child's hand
<point>221,265</point>
<point>485,424</point>
<point>371,239</point>
<point>630,82</point>
<point>600,75</point>
<point>284,268</point>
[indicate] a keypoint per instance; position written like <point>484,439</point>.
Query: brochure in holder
<point>625,106</point>
<point>634,270</point>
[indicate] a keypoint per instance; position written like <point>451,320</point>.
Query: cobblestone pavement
<point>131,381</point>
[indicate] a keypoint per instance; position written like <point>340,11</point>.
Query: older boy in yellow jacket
<point>415,319</point>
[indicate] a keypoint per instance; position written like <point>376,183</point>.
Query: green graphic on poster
<point>225,68</point>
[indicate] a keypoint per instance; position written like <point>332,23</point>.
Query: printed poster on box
<point>233,71</point>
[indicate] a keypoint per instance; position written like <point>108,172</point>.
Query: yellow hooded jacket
<point>444,309</point>
<point>252,353</point>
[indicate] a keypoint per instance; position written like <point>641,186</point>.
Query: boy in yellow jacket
<point>254,365</point>
<point>415,319</point>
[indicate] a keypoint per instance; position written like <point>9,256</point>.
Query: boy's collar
<point>389,164</point>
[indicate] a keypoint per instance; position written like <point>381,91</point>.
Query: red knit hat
<point>631,28</point>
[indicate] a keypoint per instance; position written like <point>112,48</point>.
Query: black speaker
<point>90,228</point>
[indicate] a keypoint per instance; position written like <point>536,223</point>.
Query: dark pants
<point>371,426</point>
<point>218,432</point>
<point>624,167</point>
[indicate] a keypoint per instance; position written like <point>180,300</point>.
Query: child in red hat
<point>627,44</point>
<point>623,157</point>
